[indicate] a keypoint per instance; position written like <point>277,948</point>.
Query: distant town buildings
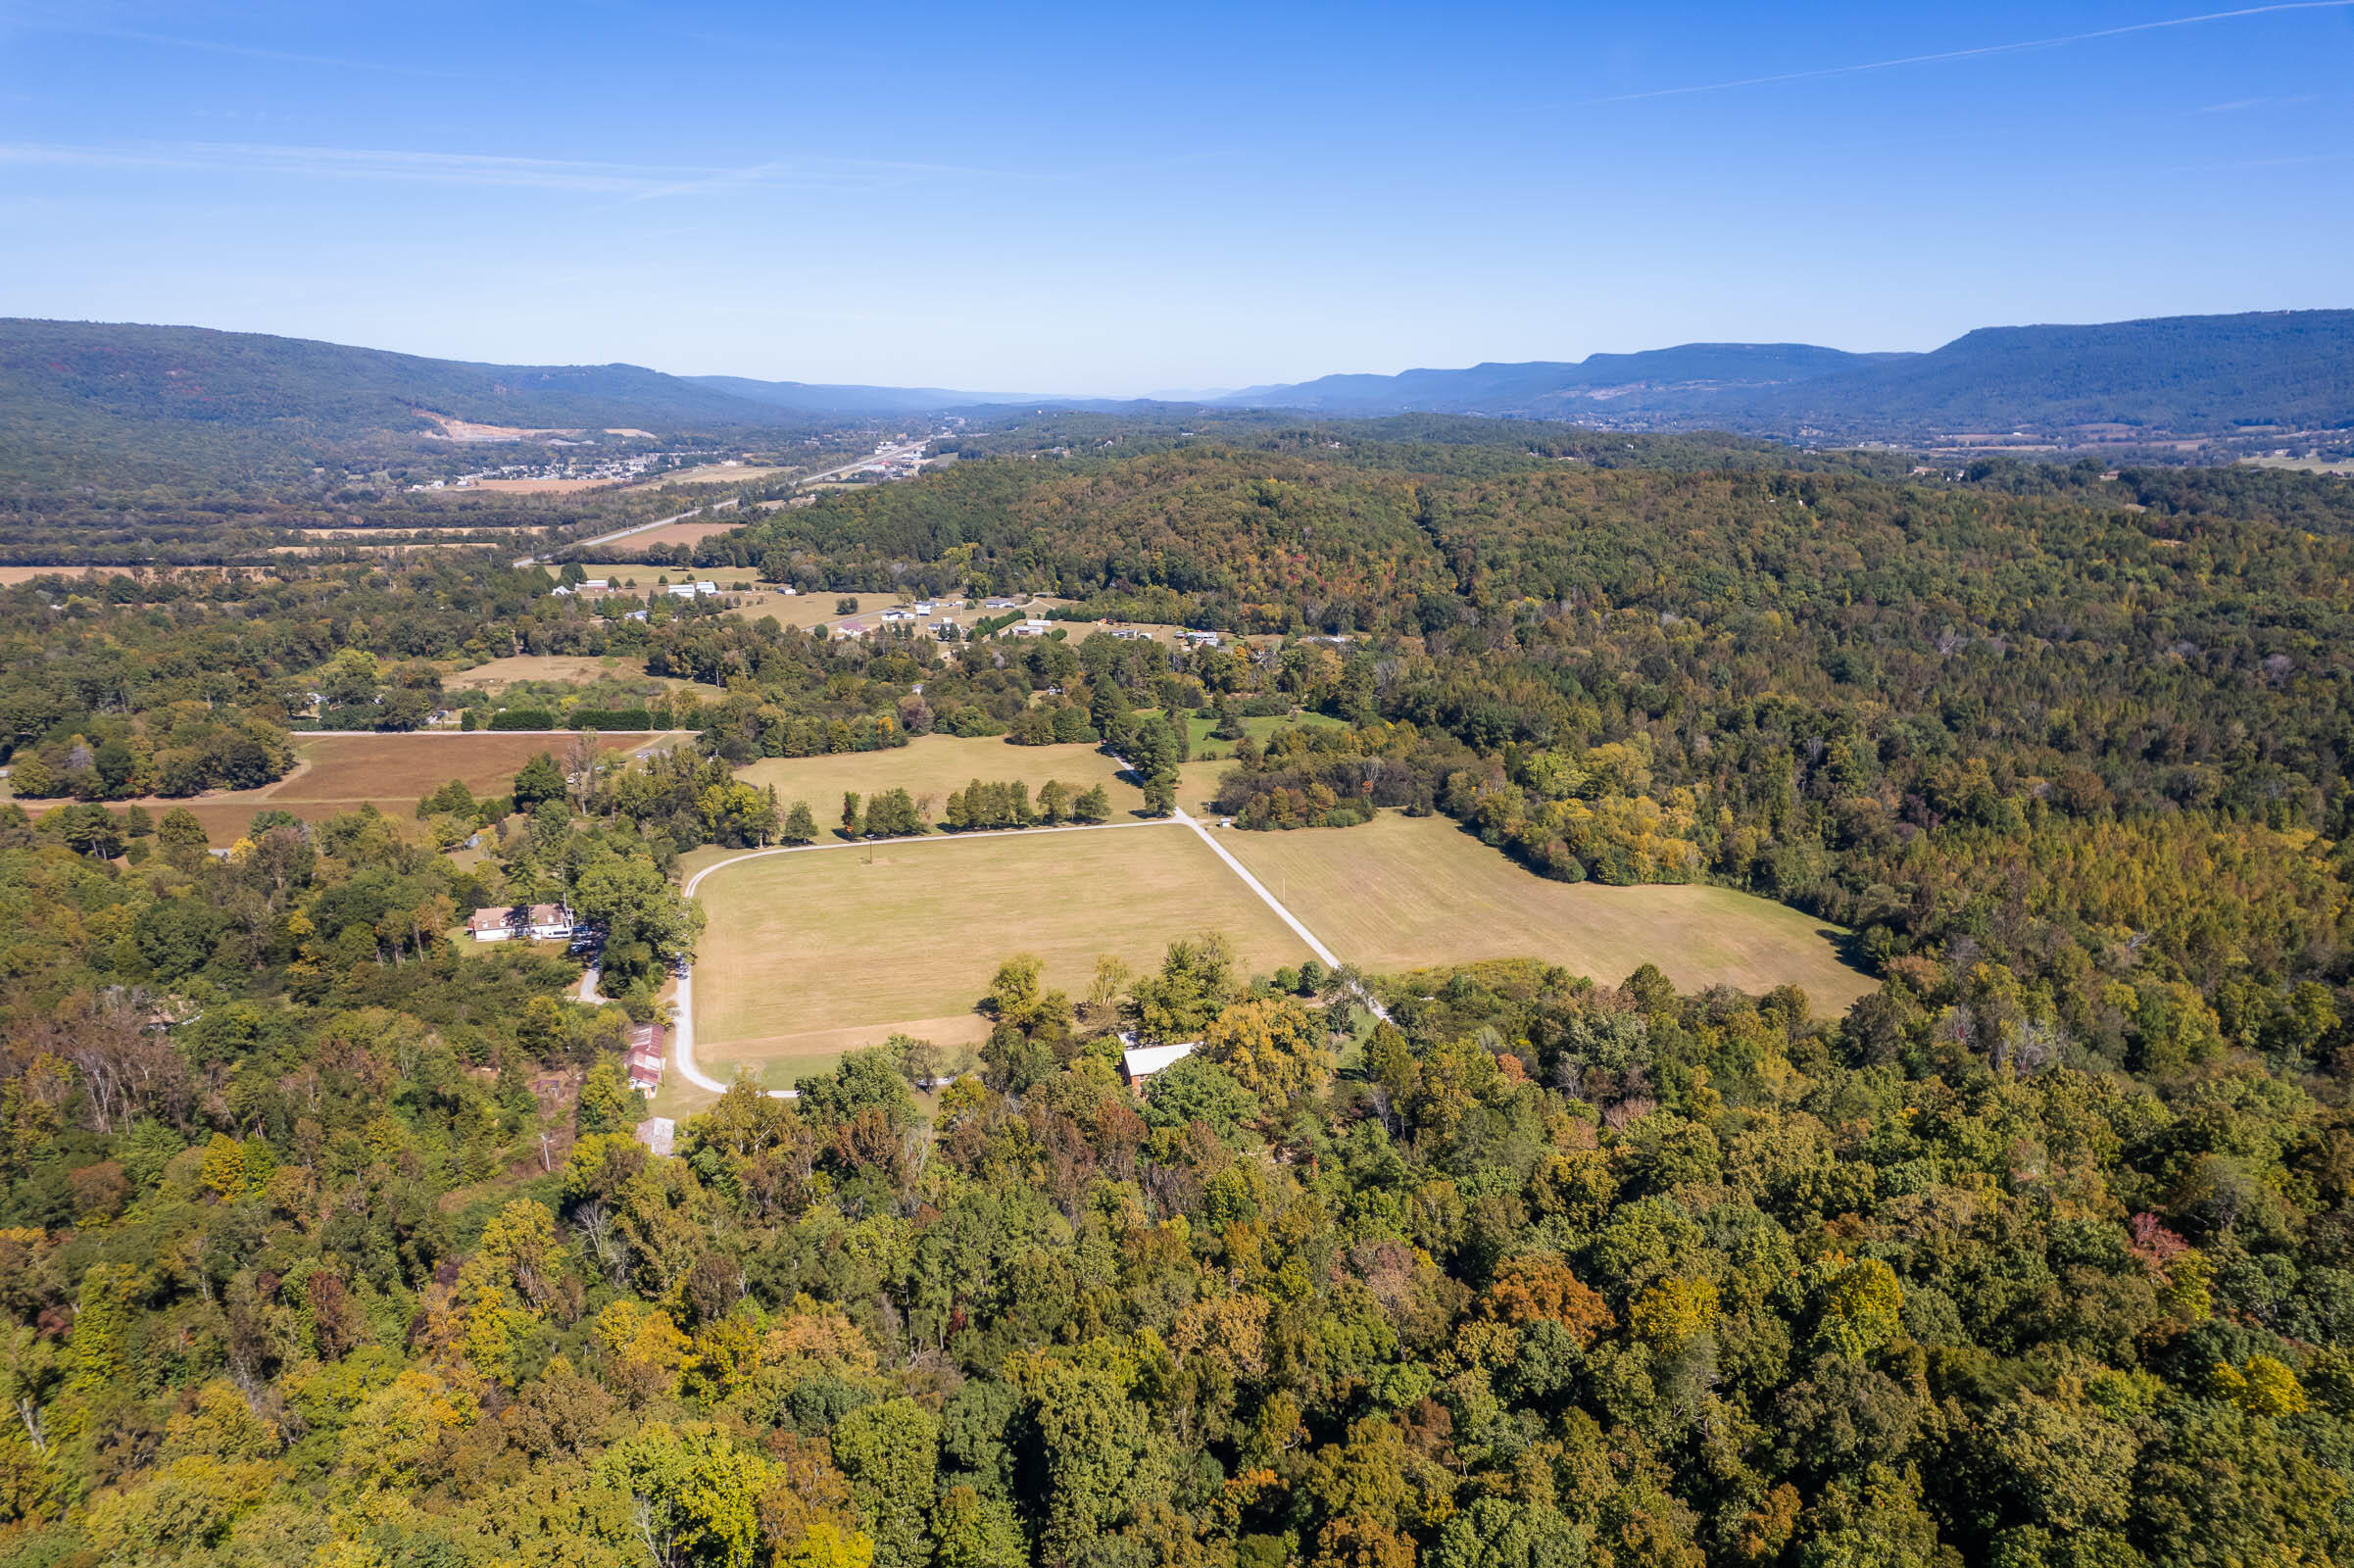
<point>581,470</point>
<point>889,464</point>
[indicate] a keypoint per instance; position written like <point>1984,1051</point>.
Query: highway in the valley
<point>884,454</point>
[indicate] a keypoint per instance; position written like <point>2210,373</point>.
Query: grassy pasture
<point>693,531</point>
<point>573,668</point>
<point>714,474</point>
<point>935,764</point>
<point>808,609</point>
<point>338,773</point>
<point>811,953</point>
<point>1198,780</point>
<point>1198,724</point>
<point>1408,893</point>
<point>1198,727</point>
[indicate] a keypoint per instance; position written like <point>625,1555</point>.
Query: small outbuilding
<point>1140,1063</point>
<point>647,1056</point>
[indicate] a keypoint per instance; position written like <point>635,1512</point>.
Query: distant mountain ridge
<point>192,404</point>
<point>807,397</point>
<point>197,374</point>
<point>1516,388</point>
<point>2186,374</point>
<point>181,404</point>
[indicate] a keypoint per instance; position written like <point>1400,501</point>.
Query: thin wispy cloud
<point>2236,105</point>
<point>627,182</point>
<point>1980,52</point>
<point>252,52</point>
<point>2284,160</point>
<point>60,22</point>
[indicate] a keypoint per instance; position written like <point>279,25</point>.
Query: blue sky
<point>1122,199</point>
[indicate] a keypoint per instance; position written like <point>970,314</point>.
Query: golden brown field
<point>338,773</point>
<point>1408,893</point>
<point>809,953</point>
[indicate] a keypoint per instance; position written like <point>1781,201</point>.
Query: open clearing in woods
<point>1406,893</point>
<point>576,668</point>
<point>935,764</point>
<point>693,531</point>
<point>339,772</point>
<point>810,953</point>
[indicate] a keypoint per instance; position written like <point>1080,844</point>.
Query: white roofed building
<point>1140,1063</point>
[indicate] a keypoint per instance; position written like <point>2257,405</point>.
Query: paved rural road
<point>682,1026</point>
<point>1260,888</point>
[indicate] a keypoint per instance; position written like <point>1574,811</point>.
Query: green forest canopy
<point>324,1238</point>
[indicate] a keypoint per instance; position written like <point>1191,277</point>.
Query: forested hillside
<point>324,1238</point>
<point>123,404</point>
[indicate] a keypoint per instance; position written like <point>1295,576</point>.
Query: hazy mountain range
<point>193,396</point>
<point>2183,374</point>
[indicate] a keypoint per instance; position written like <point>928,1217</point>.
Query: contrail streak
<point>1971,53</point>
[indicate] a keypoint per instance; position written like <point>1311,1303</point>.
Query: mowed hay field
<point>935,764</point>
<point>742,583</point>
<point>338,773</point>
<point>693,531</point>
<point>813,953</point>
<point>576,668</point>
<point>808,609</point>
<point>1406,893</point>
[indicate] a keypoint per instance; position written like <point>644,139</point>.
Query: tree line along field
<point>643,574</point>
<point>1197,779</point>
<point>338,773</point>
<point>932,766</point>
<point>806,953</point>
